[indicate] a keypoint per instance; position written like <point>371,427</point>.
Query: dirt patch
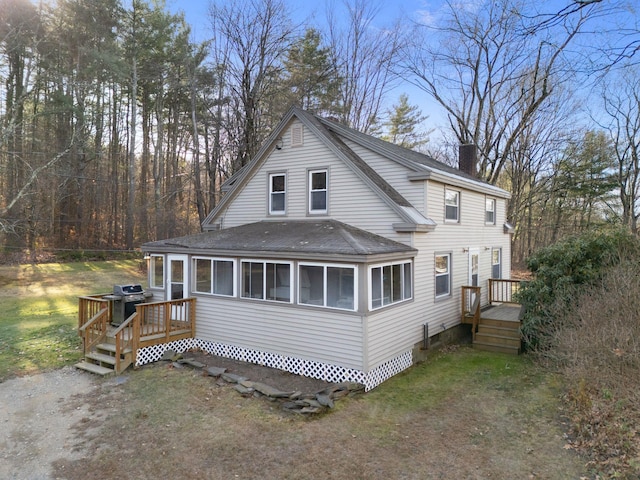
<point>284,381</point>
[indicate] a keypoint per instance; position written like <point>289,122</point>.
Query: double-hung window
<point>451,205</point>
<point>490,211</point>
<point>266,280</point>
<point>156,271</point>
<point>496,263</point>
<point>328,286</point>
<point>277,193</point>
<point>214,276</point>
<point>443,275</point>
<point>390,283</point>
<point>318,191</point>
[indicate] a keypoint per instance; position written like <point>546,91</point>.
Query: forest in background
<point>117,128</point>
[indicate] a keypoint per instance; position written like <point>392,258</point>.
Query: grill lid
<point>127,289</point>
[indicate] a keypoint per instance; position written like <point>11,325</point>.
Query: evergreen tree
<point>403,124</point>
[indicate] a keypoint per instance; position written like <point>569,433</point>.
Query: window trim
<point>310,173</point>
<point>448,274</point>
<point>404,296</point>
<point>152,283</point>
<point>326,266</point>
<point>457,205</point>
<point>492,211</point>
<point>272,193</point>
<point>234,275</point>
<point>264,279</point>
<point>499,264</point>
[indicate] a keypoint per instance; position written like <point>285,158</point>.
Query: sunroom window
<point>266,280</point>
<point>214,276</point>
<point>390,283</point>
<point>156,271</point>
<point>328,286</point>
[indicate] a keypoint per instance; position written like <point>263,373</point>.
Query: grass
<point>39,315</point>
<point>461,414</point>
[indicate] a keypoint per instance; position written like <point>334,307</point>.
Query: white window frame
<point>311,191</point>
<point>325,267</point>
<point>447,274</point>
<point>152,271</point>
<point>447,192</point>
<point>265,293</point>
<point>272,211</point>
<point>490,211</point>
<point>406,292</point>
<point>234,276</point>
<point>497,250</point>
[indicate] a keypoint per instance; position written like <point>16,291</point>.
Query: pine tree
<point>403,125</point>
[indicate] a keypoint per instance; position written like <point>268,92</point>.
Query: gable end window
<point>490,211</point>
<point>263,280</point>
<point>277,193</point>
<point>451,205</point>
<point>391,283</point>
<point>318,190</point>
<point>443,275</point>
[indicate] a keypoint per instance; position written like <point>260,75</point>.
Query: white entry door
<point>177,283</point>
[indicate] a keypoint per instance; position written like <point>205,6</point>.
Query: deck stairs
<point>102,358</point>
<point>495,335</point>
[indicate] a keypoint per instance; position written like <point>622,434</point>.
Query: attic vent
<point>297,135</point>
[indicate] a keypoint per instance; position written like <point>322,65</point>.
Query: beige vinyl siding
<point>350,199</point>
<point>394,173</point>
<point>396,329</point>
<point>307,333</point>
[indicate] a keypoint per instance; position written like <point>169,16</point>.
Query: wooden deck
<point>507,312</point>
<point>108,348</point>
<point>496,326</point>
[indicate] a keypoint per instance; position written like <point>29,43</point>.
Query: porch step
<point>101,357</point>
<point>93,368</point>
<point>111,348</point>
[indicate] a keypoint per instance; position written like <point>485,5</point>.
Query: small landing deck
<point>504,312</point>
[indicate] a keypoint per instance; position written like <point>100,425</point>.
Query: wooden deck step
<point>495,347</point>
<point>509,341</point>
<point>101,357</point>
<point>110,347</point>
<point>93,368</point>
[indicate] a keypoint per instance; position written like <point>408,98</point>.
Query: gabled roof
<point>419,167</point>
<point>310,239</point>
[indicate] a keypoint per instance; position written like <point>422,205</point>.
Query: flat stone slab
<point>267,390</point>
<point>215,371</point>
<point>191,362</point>
<point>232,377</point>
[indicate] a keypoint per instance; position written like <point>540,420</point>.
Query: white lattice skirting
<point>307,368</point>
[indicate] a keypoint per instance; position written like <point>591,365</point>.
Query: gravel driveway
<point>37,414</point>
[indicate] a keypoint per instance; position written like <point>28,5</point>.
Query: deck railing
<point>471,307</point>
<point>89,306</point>
<point>166,319</point>
<point>503,291</point>
<point>94,330</point>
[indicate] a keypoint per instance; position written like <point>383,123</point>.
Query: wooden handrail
<point>471,307</point>
<point>502,291</point>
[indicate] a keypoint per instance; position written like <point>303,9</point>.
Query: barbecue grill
<point>125,298</point>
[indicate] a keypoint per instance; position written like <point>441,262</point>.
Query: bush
<point>560,272</point>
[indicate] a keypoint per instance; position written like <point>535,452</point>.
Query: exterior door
<point>474,261</point>
<point>177,284</point>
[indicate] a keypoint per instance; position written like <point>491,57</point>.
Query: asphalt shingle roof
<point>328,237</point>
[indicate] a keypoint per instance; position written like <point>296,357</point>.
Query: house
<point>334,254</point>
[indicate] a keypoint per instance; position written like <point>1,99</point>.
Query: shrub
<point>560,271</point>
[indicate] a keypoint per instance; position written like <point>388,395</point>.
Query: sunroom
<point>285,293</point>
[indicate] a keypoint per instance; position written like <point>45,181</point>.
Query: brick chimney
<point>468,159</point>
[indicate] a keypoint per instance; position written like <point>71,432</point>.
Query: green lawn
<point>39,310</point>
